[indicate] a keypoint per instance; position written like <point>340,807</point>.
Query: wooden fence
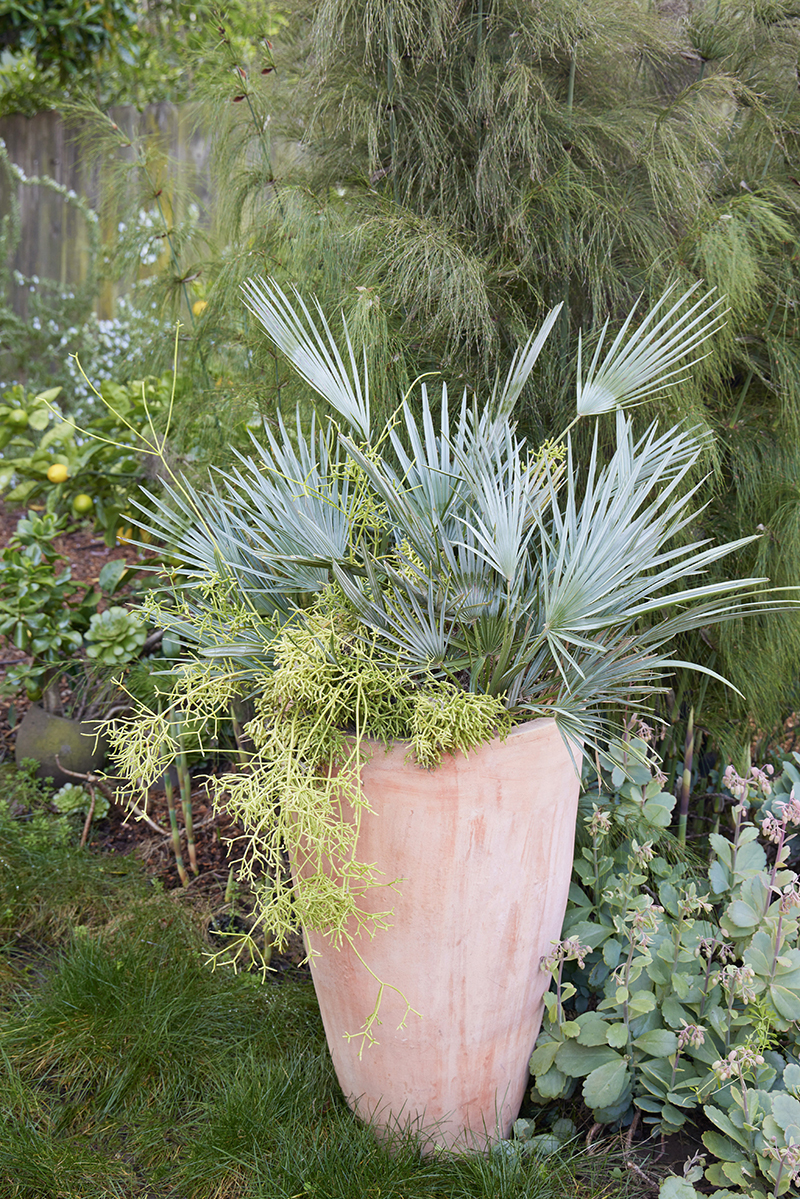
<point>48,192</point>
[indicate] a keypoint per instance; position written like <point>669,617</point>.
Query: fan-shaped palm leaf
<point>647,362</point>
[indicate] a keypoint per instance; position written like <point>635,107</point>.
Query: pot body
<point>45,737</point>
<point>482,849</point>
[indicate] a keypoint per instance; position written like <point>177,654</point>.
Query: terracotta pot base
<point>484,847</point>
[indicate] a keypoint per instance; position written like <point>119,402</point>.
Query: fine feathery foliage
<point>423,582</point>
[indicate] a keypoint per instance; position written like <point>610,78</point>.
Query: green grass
<point>128,1068</point>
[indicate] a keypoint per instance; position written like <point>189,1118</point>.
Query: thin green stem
<point>185,781</point>
<point>390,92</point>
<point>173,824</point>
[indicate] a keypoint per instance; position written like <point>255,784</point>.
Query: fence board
<point>53,242</point>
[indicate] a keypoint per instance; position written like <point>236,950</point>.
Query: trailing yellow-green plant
<point>322,710</point>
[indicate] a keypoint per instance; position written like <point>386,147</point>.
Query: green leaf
<point>590,934</point>
<point>718,878</point>
<point>715,1176</point>
<point>617,1035</point>
<point>759,954</point>
<point>577,1060</point>
<point>673,1116</point>
<point>676,1188</point>
<point>659,1042</point>
<point>750,860</point>
<point>722,847</point>
<point>111,574</point>
<point>668,894</point>
<point>738,1172</point>
<point>551,1084</point>
<point>785,1002</point>
<point>605,1085</point>
<point>543,1057</point>
<point>722,1146</point>
<point>593,1029</point>
<point>649,1104</point>
<point>657,813</point>
<point>673,1012</point>
<point>611,952</point>
<point>564,1129</point>
<point>786,1113</point>
<point>791,1077</point>
<point>742,916</point>
<point>39,419</point>
<point>544,1144</point>
<point>723,1122</point>
<point>641,1002</point>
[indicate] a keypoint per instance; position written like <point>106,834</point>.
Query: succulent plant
<point>114,636</point>
<point>73,798</point>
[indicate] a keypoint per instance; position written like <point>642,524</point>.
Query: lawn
<point>131,1068</point>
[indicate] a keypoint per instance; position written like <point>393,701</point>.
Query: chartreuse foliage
<point>675,994</point>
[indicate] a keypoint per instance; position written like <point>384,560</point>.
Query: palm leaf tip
<point>651,358</point>
<point>310,346</point>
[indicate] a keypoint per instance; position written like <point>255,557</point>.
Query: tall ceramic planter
<point>484,848</point>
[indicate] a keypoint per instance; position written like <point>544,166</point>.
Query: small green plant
<point>44,612</point>
<point>114,636</point>
<point>71,798</point>
<point>674,993</point>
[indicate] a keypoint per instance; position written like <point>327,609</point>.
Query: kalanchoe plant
<point>674,993</point>
<point>435,579</point>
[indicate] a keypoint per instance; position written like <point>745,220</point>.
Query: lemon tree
<point>43,458</point>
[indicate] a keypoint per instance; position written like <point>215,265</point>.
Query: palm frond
<point>646,362</point>
<point>312,351</point>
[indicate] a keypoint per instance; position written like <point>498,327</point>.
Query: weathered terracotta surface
<point>484,846</point>
<point>51,740</point>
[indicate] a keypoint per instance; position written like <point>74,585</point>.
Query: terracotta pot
<point>45,737</point>
<point>484,847</point>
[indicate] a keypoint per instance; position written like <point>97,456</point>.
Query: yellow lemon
<point>82,504</point>
<point>199,307</point>
<point>124,535</point>
<point>58,473</point>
